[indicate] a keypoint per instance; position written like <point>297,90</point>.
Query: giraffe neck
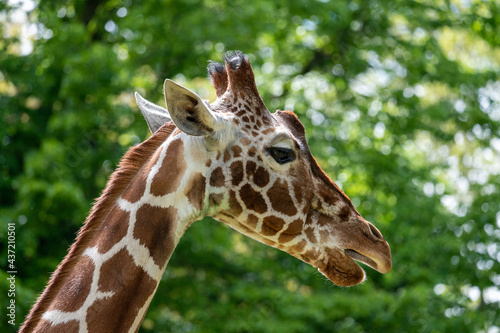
<point>109,277</point>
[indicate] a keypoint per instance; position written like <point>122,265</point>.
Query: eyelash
<point>281,155</point>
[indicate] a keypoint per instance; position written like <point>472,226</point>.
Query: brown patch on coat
<point>261,177</point>
<point>299,247</point>
<point>274,223</point>
<point>227,156</point>
<point>327,197</point>
<point>112,230</point>
<point>267,230</point>
<point>217,178</point>
<point>310,235</point>
<point>73,294</point>
<point>195,190</point>
<point>293,230</point>
<point>252,221</point>
<point>245,141</point>
<point>236,172</point>
<point>252,199</point>
<point>344,213</point>
<point>234,206</point>
<point>295,227</point>
<point>250,168</point>
<point>236,151</point>
<point>131,287</point>
<point>136,189</point>
<point>168,178</point>
<point>285,238</point>
<point>155,229</point>
<point>280,198</point>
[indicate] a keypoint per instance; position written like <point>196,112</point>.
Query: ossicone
<point>234,78</point>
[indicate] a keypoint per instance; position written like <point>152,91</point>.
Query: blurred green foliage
<point>401,103</point>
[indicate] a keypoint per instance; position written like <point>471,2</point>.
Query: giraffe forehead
<point>244,110</point>
<point>275,132</point>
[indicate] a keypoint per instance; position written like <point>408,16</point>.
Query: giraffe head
<point>261,179</point>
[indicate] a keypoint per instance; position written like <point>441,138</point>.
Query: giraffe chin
<point>342,270</point>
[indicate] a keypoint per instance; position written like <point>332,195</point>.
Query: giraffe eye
<point>281,155</point>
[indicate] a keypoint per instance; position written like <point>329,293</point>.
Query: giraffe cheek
<point>280,198</point>
<point>261,177</point>
<point>300,189</point>
<point>252,199</point>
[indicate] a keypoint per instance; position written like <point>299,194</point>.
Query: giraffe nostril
<point>374,233</point>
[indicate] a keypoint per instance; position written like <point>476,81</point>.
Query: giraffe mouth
<point>342,267</point>
<point>362,258</point>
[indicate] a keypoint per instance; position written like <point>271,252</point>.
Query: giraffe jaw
<point>342,269</point>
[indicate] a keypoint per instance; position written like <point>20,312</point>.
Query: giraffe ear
<point>188,111</point>
<point>154,114</point>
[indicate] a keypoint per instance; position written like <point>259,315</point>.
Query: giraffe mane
<point>129,167</point>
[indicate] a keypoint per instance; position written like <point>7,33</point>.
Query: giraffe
<point>232,160</point>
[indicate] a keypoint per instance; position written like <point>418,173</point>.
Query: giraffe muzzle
<point>358,241</point>
<point>371,249</point>
<point>381,265</point>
